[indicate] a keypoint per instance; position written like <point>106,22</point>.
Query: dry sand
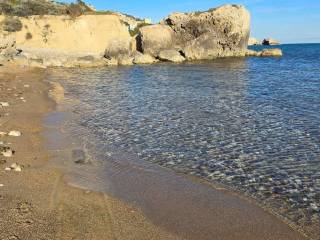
<point>38,204</point>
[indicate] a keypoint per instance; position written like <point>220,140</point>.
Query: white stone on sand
<point>14,133</point>
<point>7,153</point>
<point>4,104</point>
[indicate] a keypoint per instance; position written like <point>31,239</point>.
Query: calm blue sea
<point>252,124</point>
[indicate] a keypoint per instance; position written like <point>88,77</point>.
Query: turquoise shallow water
<point>249,123</point>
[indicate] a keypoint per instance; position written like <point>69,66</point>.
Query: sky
<point>290,21</point>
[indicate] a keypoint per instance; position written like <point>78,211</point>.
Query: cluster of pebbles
<point>6,151</point>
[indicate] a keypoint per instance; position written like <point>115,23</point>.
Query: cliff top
<point>25,8</point>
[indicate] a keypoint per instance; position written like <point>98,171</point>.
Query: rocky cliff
<point>106,39</point>
<point>84,34</point>
<point>218,32</point>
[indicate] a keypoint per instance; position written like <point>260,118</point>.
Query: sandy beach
<point>38,203</point>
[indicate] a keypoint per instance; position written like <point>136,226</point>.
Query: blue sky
<point>289,21</point>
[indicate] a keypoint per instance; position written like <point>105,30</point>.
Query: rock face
<point>270,41</point>
<point>84,34</point>
<point>219,32</point>
<point>154,38</point>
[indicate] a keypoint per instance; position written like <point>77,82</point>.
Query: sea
<point>249,124</point>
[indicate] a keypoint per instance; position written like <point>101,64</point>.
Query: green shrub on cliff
<point>11,24</point>
<point>24,8</point>
<point>135,31</point>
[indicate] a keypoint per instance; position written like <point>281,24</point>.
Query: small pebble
<point>26,85</point>
<point>14,133</point>
<point>314,207</point>
<point>18,169</point>
<point>15,167</point>
<point>7,169</point>
<point>4,104</point>
<point>1,185</point>
<point>7,153</point>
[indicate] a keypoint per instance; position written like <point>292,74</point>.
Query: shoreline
<point>140,189</point>
<point>39,203</point>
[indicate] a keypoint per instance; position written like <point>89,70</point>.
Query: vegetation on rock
<point>11,24</point>
<point>135,31</point>
<point>24,8</point>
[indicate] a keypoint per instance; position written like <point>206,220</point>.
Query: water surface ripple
<point>252,124</point>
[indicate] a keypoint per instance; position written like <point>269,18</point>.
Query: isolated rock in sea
<point>14,133</point>
<point>154,38</point>
<point>253,41</point>
<point>140,58</point>
<point>218,32</point>
<point>275,52</point>
<point>171,56</point>
<point>270,41</point>
<point>252,53</point>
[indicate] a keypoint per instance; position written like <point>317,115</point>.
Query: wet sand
<point>136,200</point>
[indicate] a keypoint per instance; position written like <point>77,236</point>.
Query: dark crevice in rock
<point>139,46</point>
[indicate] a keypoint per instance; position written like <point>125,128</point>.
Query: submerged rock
<point>276,52</point>
<point>79,156</point>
